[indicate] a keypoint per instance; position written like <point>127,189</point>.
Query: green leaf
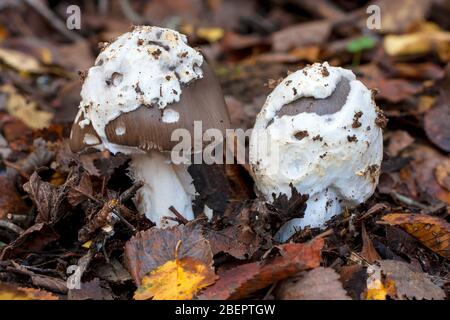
<point>361,44</point>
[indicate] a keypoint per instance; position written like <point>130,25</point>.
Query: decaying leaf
<point>92,290</point>
<point>368,251</point>
<point>436,121</point>
<point>398,141</point>
<point>442,174</point>
<point>24,109</point>
<point>176,280</point>
<point>152,248</point>
<point>433,232</point>
<point>303,34</point>
<point>10,292</point>
<point>317,284</point>
<point>10,199</point>
<point>397,280</point>
<point>34,238</point>
<point>419,174</point>
<point>245,279</point>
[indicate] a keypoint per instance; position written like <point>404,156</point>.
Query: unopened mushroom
<point>143,86</point>
<point>320,132</point>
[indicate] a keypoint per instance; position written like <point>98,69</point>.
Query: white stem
<point>320,208</point>
<point>165,185</point>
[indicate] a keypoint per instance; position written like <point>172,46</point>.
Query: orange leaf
<point>433,232</point>
<point>10,292</point>
<point>247,278</point>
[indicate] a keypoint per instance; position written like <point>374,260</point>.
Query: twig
<point>53,19</point>
<point>179,216</point>
<point>129,13</point>
<point>325,233</point>
<point>407,201</point>
<point>86,195</point>
<point>270,291</point>
<point>127,194</point>
<point>125,221</point>
<point>11,226</point>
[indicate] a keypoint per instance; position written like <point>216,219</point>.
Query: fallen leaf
<point>419,174</point>
<point>417,43</point>
<point>10,292</point>
<point>24,109</point>
<point>399,16</point>
<point>176,280</point>
<point>92,290</point>
<point>368,251</point>
<point>10,199</point>
<point>150,249</point>
<point>398,140</point>
<point>21,61</point>
<point>433,232</point>
<point>33,239</point>
<point>377,287</point>
<point>239,282</point>
<point>408,283</point>
<point>211,34</point>
<point>442,174</point>
<point>353,278</point>
<point>437,119</point>
<point>299,35</point>
<point>317,284</point>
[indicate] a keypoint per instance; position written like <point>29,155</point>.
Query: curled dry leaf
<point>152,248</point>
<point>239,282</point>
<point>368,251</point>
<point>176,280</point>
<point>20,61</point>
<point>419,174</point>
<point>11,292</point>
<point>399,281</point>
<point>317,284</point>
<point>34,238</point>
<point>433,232</point>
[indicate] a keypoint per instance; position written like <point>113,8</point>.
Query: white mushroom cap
<point>334,157</point>
<point>144,67</point>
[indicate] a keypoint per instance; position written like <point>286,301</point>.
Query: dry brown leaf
<point>317,284</point>
<point>442,174</point>
<point>433,232</point>
<point>419,174</point>
<point>399,16</point>
<point>10,292</point>
<point>368,251</point>
<point>398,141</point>
<point>409,283</point>
<point>239,282</point>
<point>10,199</point>
<point>299,35</point>
<point>152,248</point>
<point>176,280</point>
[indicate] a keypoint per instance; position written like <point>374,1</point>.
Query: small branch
<point>129,193</point>
<point>407,201</point>
<point>53,19</point>
<point>125,221</point>
<point>86,195</point>
<point>11,226</point>
<point>129,12</point>
<point>179,216</point>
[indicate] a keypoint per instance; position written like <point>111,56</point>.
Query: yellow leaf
<point>24,109</point>
<point>211,35</point>
<point>20,61</point>
<point>421,42</point>
<point>87,244</point>
<point>176,280</point>
<point>9,292</point>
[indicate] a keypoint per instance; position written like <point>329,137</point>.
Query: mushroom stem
<point>165,185</point>
<point>319,208</point>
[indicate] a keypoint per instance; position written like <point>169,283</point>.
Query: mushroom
<point>320,132</point>
<point>143,86</point>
